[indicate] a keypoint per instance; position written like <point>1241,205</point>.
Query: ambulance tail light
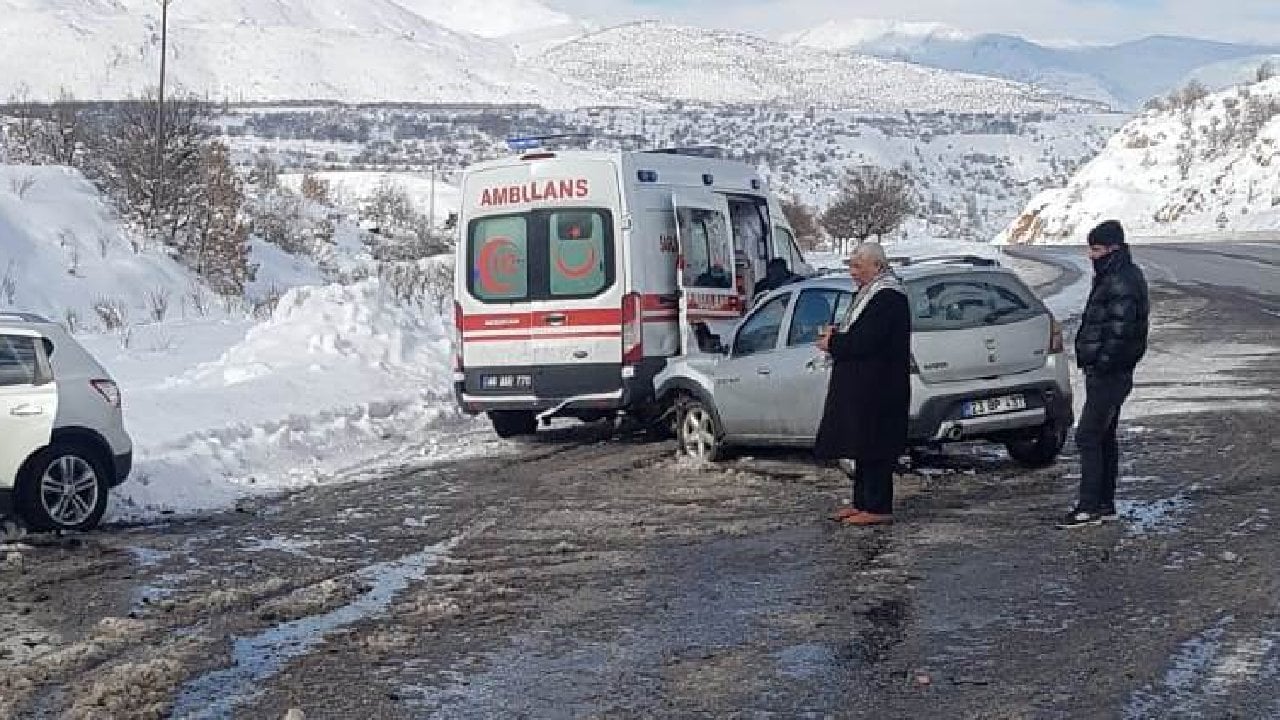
<point>457,337</point>
<point>632,329</point>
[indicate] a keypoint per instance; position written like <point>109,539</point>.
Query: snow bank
<point>336,377</point>
<point>1207,170</point>
<point>63,250</point>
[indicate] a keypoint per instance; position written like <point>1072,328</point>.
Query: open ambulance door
<point>705,274</point>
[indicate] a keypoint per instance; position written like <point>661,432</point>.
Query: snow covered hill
<point>1123,75</point>
<point>244,49</point>
<point>1213,167</point>
<point>62,252</point>
<point>675,63</point>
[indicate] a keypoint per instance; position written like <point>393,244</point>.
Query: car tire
<point>63,487</point>
<point>698,431</point>
<point>1041,448</point>
<point>514,423</point>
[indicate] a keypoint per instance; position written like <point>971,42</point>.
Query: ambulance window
<point>578,243</point>
<point>750,226</point>
<point>707,249</point>
<point>500,258</point>
<point>782,246</point>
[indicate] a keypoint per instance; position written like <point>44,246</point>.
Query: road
<point>586,574</point>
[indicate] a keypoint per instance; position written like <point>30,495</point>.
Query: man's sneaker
<point>1109,514</point>
<point>1080,518</point>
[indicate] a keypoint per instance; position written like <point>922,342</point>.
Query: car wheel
<point>510,424</point>
<point>1041,448</point>
<point>63,487</point>
<point>698,431</point>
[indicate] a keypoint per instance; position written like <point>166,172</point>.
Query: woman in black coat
<point>868,398</point>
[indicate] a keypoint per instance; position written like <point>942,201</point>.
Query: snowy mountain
<point>285,49</point>
<point>1121,75</point>
<point>489,19</point>
<point>845,34</point>
<point>675,63</point>
<point>1212,167</point>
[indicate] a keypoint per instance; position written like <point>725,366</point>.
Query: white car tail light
<point>108,390</point>
<point>632,329</point>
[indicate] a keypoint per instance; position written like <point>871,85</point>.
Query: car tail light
<point>632,329</point>
<point>1055,336</point>
<point>457,337</point>
<point>108,390</point>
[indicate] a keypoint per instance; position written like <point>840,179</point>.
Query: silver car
<point>987,364</point>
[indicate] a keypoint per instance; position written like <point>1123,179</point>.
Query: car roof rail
<point>22,317</point>
<point>975,260</point>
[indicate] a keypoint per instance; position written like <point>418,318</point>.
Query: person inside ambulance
<point>776,275</point>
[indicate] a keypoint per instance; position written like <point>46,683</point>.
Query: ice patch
<point>256,658</point>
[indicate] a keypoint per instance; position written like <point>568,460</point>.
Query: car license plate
<point>995,406</point>
<point>506,382</point>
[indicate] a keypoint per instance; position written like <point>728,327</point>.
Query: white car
<point>988,363</point>
<point>63,445</point>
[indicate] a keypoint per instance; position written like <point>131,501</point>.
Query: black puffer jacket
<point>1113,331</point>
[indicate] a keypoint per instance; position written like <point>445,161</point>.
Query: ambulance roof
<point>671,168</point>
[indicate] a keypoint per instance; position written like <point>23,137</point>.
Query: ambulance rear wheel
<point>513,423</point>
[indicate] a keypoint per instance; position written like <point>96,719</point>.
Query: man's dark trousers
<point>1096,439</point>
<point>873,485</point>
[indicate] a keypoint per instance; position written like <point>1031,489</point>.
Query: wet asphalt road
<point>588,574</point>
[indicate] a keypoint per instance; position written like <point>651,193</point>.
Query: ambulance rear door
<point>706,273</point>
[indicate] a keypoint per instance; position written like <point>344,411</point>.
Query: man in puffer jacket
<point>1111,341</point>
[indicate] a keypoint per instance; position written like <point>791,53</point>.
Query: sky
<point>1055,21</point>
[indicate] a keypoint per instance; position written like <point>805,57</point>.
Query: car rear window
<point>969,300</point>
<point>541,255</point>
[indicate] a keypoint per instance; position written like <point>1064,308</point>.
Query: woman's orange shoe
<point>845,513</point>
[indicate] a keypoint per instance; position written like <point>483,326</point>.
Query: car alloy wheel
<point>69,490</point>
<point>699,433</point>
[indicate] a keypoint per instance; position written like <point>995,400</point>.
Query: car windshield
<point>969,300</point>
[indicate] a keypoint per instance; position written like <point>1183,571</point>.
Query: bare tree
<point>315,189</point>
<point>872,202</point>
<point>121,163</point>
<point>804,222</point>
<point>216,242</point>
<point>1266,71</point>
<point>60,138</point>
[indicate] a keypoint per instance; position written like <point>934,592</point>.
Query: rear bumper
<point>941,417</point>
<point>122,466</point>
<point>563,388</point>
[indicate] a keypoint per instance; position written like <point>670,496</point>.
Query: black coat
<point>868,397</point>
<point>1113,329</point>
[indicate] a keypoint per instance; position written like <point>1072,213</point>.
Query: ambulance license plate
<point>506,382</point>
<point>995,406</point>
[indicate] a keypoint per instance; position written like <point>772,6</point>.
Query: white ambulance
<point>580,273</point>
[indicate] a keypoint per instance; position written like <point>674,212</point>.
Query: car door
<point>743,381</point>
<point>28,399</point>
<point>802,371</point>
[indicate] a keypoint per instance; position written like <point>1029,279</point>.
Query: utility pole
<point>159,167</point>
<point>431,215</point>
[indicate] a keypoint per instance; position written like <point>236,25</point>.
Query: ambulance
<point>580,273</point>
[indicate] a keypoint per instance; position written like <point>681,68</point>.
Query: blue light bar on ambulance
<point>647,176</point>
<point>516,144</point>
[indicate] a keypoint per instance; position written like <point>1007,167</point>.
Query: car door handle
<point>556,319</point>
<point>763,370</point>
<point>27,411</point>
<point>817,363</point>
